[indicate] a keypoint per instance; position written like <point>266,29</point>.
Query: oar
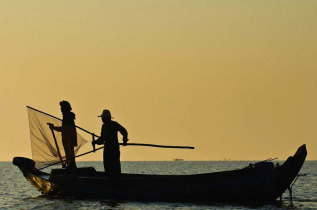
<point>154,145</point>
<point>57,147</point>
<point>130,144</point>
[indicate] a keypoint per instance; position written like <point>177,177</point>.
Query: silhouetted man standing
<point>109,137</point>
<point>69,134</point>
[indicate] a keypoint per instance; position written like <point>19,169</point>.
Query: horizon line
<point>174,160</point>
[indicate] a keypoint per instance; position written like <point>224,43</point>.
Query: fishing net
<point>47,145</point>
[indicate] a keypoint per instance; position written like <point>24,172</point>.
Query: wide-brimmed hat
<point>106,114</point>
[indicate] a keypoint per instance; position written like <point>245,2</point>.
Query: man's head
<point>106,115</point>
<point>65,106</point>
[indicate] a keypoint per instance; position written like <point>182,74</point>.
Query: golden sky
<point>235,79</point>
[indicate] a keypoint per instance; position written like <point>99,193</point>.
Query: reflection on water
<point>17,193</point>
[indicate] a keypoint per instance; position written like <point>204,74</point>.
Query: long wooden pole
<point>57,147</point>
<point>155,145</point>
<point>73,158</point>
<point>131,144</point>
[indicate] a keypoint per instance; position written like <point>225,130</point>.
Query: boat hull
<point>248,185</point>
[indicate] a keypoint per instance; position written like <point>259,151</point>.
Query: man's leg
<point>111,163</point>
<point>106,161</point>
<point>72,163</point>
<point>70,154</point>
<point>118,164</point>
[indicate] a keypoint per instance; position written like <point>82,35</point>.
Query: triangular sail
<point>45,150</point>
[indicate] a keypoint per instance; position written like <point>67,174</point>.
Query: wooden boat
<point>178,159</point>
<point>261,182</point>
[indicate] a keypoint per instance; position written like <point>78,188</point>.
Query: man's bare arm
<point>123,132</point>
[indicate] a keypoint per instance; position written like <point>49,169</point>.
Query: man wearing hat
<point>69,134</point>
<point>109,137</point>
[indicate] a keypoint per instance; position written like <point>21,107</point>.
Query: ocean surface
<point>17,193</point>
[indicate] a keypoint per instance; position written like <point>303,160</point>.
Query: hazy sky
<point>235,79</point>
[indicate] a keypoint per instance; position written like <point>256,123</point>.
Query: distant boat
<point>260,182</point>
<point>178,159</point>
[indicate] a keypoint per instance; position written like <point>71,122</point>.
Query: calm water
<point>17,193</point>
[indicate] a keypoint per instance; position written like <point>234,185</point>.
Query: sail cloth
<point>44,148</point>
